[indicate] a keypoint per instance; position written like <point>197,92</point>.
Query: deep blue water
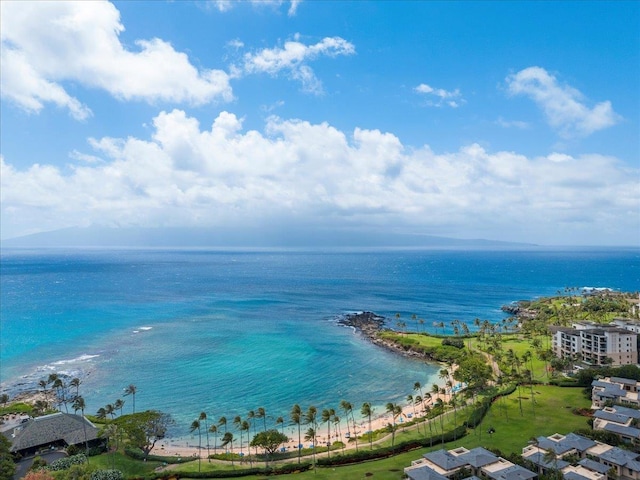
<point>230,331</point>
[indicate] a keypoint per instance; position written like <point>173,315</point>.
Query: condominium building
<point>596,345</point>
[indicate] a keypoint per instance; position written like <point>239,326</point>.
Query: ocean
<point>226,332</point>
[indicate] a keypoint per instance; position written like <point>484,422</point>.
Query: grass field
<point>552,412</point>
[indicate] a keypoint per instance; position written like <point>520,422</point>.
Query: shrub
<point>64,463</point>
<point>107,475</point>
<point>454,342</point>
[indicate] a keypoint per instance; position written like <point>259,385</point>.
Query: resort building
<point>610,390</point>
<point>58,430</point>
<point>574,456</point>
<point>596,345</point>
<point>621,421</point>
<point>479,463</point>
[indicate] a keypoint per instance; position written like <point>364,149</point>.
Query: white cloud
<point>48,44</point>
<point>226,5</point>
<point>293,58</point>
<point>563,105</point>
<point>519,124</point>
<point>437,97</point>
<point>220,176</point>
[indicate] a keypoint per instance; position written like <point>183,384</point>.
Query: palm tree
<point>251,417</point>
<point>327,416</point>
<point>347,408</point>
<point>119,405</point>
<point>75,382</point>
<point>131,390</point>
<point>61,389</point>
<point>227,439</point>
<point>411,401</point>
<point>79,404</point>
<point>367,411</point>
<point>417,386</point>
<point>222,421</point>
<point>245,426</point>
<point>101,414</point>
<point>214,429</point>
<point>237,422</point>
<point>280,421</point>
<point>311,417</point>
<point>310,436</point>
<point>111,410</point>
<point>262,413</point>
<point>203,418</point>
<point>195,425</point>
<point>43,384</point>
<point>296,418</point>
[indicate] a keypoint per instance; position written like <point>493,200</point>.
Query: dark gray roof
<point>538,459</point>
<point>574,476</point>
<point>624,381</point>
<point>629,412</point>
<point>611,417</point>
<point>478,457</point>
<point>53,428</point>
<point>424,473</point>
<point>570,442</point>
<point>444,459</point>
<point>514,472</point>
<point>593,465</point>
<point>617,456</point>
<point>622,430</point>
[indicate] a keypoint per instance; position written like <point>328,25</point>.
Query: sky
<point>508,121</point>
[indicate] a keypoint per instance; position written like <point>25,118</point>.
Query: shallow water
<point>227,332</point>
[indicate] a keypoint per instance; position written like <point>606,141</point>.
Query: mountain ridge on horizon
<point>96,236</point>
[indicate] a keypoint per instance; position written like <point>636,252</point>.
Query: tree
<point>7,467</point>
<point>144,429</point>
<point>270,441</point>
<point>367,411</point>
<point>195,425</point>
<point>222,422</point>
<point>310,436</point>
<point>79,404</point>
<point>237,422</point>
<point>296,418</point>
<point>227,439</point>
<point>4,399</point>
<point>327,416</point>
<point>262,413</point>
<point>111,410</point>
<point>203,418</point>
<point>119,405</point>
<point>280,421</point>
<point>214,429</point>
<point>75,383</point>
<point>131,390</point>
<point>347,408</point>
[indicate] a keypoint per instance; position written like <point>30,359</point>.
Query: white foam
<point>81,358</point>
<point>145,328</point>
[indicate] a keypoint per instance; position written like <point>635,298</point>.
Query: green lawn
<point>552,413</point>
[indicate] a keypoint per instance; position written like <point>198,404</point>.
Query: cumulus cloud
<point>224,175</point>
<point>292,59</point>
<point>563,106</point>
<point>46,45</point>
<point>437,97</point>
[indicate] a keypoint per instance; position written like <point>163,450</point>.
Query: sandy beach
<point>189,448</point>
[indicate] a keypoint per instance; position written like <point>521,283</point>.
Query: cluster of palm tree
<point>62,391</point>
<point>111,409</point>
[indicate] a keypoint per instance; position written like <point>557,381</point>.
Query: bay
<point>228,331</point>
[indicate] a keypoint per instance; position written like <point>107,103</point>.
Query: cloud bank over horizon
<point>186,175</point>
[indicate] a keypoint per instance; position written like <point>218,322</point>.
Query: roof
<point>574,476</point>
<point>629,412</point>
<point>611,416</point>
<point>53,428</point>
<point>538,459</point>
<point>514,472</point>
<point>593,465</point>
<point>444,459</point>
<point>424,473</point>
<point>623,381</point>
<point>622,430</point>
<point>478,457</point>
<point>620,457</point>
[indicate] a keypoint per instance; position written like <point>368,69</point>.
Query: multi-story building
<point>596,345</point>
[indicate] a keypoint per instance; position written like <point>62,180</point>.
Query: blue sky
<point>515,121</point>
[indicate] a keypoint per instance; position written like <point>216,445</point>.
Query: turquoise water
<point>228,331</point>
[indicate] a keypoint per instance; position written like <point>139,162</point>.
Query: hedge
<point>280,470</point>
<point>364,455</point>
